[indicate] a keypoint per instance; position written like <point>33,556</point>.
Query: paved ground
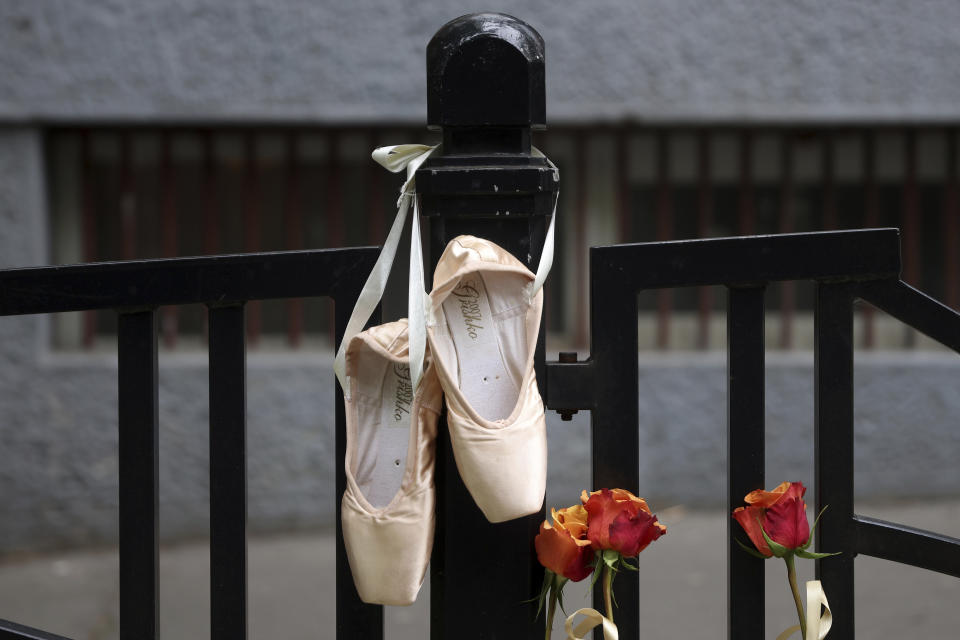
<point>682,592</point>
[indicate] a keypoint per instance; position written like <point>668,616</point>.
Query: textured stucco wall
<point>362,61</point>
<point>58,445</point>
<point>58,474</point>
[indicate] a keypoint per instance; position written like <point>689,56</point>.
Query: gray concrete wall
<point>364,61</point>
<point>58,456</point>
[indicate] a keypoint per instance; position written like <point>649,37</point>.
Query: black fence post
<point>745,453</point>
<point>485,77</point>
<point>834,450</point>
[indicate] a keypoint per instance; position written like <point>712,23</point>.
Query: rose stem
<point>608,590</point>
<point>551,610</point>
<point>792,577</point>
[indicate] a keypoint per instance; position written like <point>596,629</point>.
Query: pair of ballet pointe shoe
<point>483,318</point>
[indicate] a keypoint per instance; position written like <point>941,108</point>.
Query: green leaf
<point>629,566</point>
<point>596,571</point>
<point>544,590</point>
<point>816,521</point>
<point>753,552</point>
<point>776,548</point>
<point>559,582</point>
<point>810,555</point>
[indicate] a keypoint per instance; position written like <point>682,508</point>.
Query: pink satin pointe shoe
<point>484,319</point>
<point>388,506</point>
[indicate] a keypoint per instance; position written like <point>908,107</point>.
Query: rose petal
<point>562,554</point>
<point>631,534</point>
<point>602,509</point>
<point>573,519</point>
<point>624,496</point>
<point>619,495</point>
<point>751,519</point>
<point>761,498</point>
<point>786,522</point>
<point>579,566</point>
<point>795,490</point>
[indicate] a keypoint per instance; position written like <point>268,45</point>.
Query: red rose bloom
<point>782,513</point>
<point>620,521</point>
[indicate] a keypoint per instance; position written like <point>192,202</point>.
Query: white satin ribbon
<point>818,626</point>
<point>593,618</point>
<point>396,159</point>
<point>546,256</point>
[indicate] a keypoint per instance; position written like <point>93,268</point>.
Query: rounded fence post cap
<point>486,69</point>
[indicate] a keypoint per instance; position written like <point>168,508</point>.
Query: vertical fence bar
<point>334,202</point>
<point>228,474</point>
<point>828,182</point>
<point>745,454</point>
<point>138,453</point>
<point>251,223</point>
<point>704,222</point>
<point>833,443</point>
<point>293,221</point>
<point>911,212</point>
<point>580,224</point>
<point>624,210</point>
<point>746,210</point>
<point>788,287</point>
<point>664,233</point>
<point>209,211</point>
<point>89,227</point>
<point>354,618</point>
<point>168,231</point>
<point>615,419</point>
<point>128,199</point>
<point>373,178</point>
<point>951,225</point>
<point>872,219</point>
<point>912,226</point>
<point>336,234</point>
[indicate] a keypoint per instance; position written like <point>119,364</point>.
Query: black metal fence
<point>845,266</point>
<point>134,290</point>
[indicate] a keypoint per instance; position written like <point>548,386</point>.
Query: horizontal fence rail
<point>845,266</point>
<point>214,280</point>
<point>13,631</point>
<point>225,284</point>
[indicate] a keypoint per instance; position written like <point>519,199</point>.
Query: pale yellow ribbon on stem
<point>593,619</point>
<point>817,625</point>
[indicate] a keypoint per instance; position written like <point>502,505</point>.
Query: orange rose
<point>562,547</point>
<point>620,521</point>
<point>782,513</point>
